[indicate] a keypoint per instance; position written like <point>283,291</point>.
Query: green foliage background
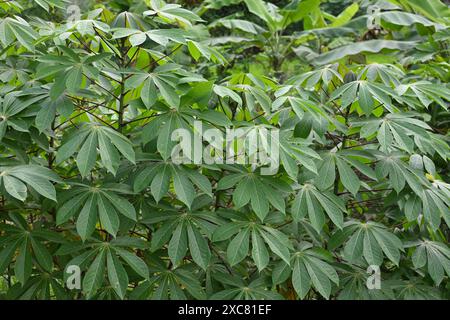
<point>88,104</point>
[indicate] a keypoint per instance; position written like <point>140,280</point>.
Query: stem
<point>121,106</point>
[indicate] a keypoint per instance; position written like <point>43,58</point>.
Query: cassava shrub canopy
<point>354,94</point>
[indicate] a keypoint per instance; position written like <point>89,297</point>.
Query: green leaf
<point>167,91</point>
<point>372,251</point>
<point>69,208</point>
<point>258,199</point>
<point>144,178</point>
<point>45,116</point>
<point>300,279</point>
<point>108,154</point>
<point>165,144</point>
<point>108,216</point>
<point>160,184</point>
<point>433,9</point>
<point>389,243</point>
<point>149,94</point>
<point>348,177</point>
<point>15,187</point>
<point>94,276</point>
<point>37,177</point>
<point>198,246</point>
<point>259,251</point>
<point>122,205</point>
<point>121,143</point>
<point>326,174</point>
<point>74,79</point>
<point>225,232</point>
<point>260,9</point>
<point>87,155</point>
<point>42,255</point>
<point>88,218</point>
<point>71,146</point>
<point>183,187</point>
<point>178,245</point>
<point>331,208</point>
<point>200,181</point>
<point>238,247</point>
<point>23,266</point>
<point>365,98</point>
<point>136,263</point>
<point>117,275</point>
<point>319,279</point>
<point>7,254</point>
<point>280,246</point>
<point>346,15</point>
<point>373,46</point>
<point>241,195</point>
<point>354,248</point>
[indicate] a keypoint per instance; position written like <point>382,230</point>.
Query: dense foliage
<point>91,92</point>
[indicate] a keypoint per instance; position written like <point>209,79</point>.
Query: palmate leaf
<point>172,13</point>
<point>93,203</point>
<point>308,270</point>
<point>342,160</point>
<point>175,284</point>
<point>399,131</point>
<point>31,251</point>
<point>261,238</point>
<point>107,262</point>
<point>311,201</point>
<point>400,173</point>
<point>369,240</point>
<point>259,191</point>
<point>183,231</point>
<point>17,28</point>
<point>158,81</point>
<point>90,138</point>
<point>419,290</point>
<point>389,74</point>
<point>301,107</point>
<point>198,49</point>
<point>322,75</point>
<point>158,176</point>
<point>39,287</point>
<point>47,114</point>
<point>238,289</point>
<point>160,36</point>
<point>89,112</point>
<point>14,181</point>
<point>353,282</point>
<point>70,71</point>
<point>436,256</point>
<point>296,151</point>
<point>117,275</point>
<point>366,93</point>
<point>95,274</point>
<point>426,93</point>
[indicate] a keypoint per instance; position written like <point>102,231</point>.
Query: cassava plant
<point>94,96</point>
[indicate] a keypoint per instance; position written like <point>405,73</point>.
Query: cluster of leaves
<point>88,106</point>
